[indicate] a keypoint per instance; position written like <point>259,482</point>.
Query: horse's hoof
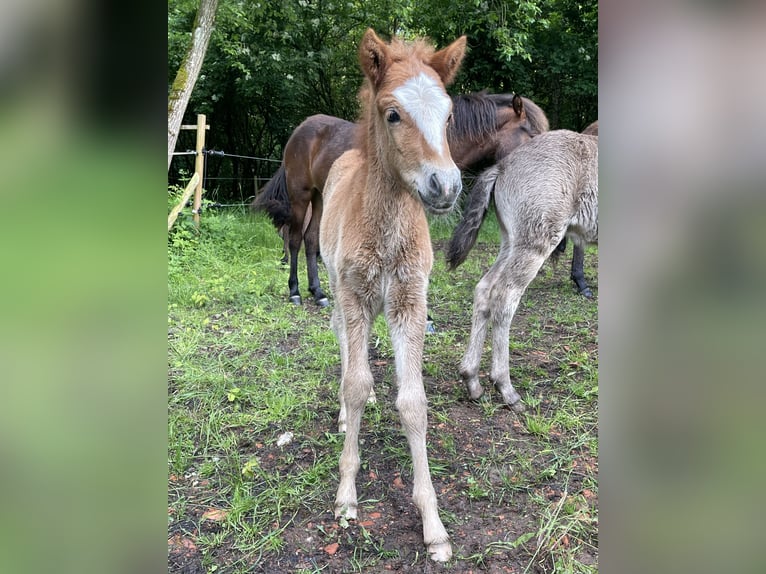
<point>587,293</point>
<point>323,302</point>
<point>347,511</point>
<point>518,407</point>
<point>296,300</point>
<point>475,391</point>
<point>430,329</point>
<point>440,552</point>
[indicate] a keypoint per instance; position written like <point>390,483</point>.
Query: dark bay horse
<point>376,246</point>
<point>544,190</point>
<point>485,128</point>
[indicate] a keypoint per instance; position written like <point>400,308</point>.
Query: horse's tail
<point>466,232</point>
<point>274,200</point>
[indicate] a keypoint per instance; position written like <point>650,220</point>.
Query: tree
<point>186,77</point>
<point>269,65</point>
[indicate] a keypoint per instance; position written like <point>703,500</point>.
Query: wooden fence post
<point>184,198</point>
<point>199,166</point>
<point>199,163</point>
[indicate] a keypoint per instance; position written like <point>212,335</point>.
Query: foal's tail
<point>466,232</point>
<point>273,199</point>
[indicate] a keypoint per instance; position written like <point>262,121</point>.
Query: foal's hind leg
<point>518,272</point>
<point>469,367</point>
<point>339,329</point>
<point>356,384</point>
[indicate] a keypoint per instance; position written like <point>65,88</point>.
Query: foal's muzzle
<point>441,190</point>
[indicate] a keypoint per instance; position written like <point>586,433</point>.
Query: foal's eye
<point>392,116</point>
<point>450,118</point>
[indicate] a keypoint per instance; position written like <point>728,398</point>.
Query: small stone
<point>285,438</point>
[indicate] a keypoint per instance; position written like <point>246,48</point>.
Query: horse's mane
<point>473,116</point>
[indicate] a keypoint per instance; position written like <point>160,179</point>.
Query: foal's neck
<point>388,200</point>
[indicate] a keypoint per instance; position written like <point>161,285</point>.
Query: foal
<point>376,245</point>
<point>544,190</point>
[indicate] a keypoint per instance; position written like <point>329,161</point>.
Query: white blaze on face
<point>425,101</point>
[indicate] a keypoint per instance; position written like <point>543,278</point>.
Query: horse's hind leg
<point>311,239</point>
<point>284,233</point>
<point>296,237</point>
<point>578,272</point>
<point>518,272</point>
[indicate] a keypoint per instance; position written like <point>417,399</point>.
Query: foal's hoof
<point>440,551</point>
<point>512,399</point>
<point>518,407</point>
<point>587,293</point>
<point>347,511</point>
<point>296,300</point>
<point>474,388</point>
<point>430,329</point>
<point>323,302</point>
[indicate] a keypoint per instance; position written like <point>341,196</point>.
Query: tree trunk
<point>189,70</point>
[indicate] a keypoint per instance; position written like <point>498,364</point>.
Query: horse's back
<point>313,147</point>
<point>334,140</point>
<point>548,184</point>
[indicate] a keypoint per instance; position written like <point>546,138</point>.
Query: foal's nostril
<point>434,186</point>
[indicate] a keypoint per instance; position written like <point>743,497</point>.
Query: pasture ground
<point>517,492</point>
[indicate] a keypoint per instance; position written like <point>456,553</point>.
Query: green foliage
<point>269,65</point>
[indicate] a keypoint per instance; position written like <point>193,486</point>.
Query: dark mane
<point>473,116</point>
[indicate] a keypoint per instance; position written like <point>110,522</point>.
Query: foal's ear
<point>373,57</point>
<point>446,62</point>
<point>518,104</point>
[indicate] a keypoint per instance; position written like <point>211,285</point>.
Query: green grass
<point>244,367</point>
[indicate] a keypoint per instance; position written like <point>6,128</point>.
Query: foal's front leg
<point>407,328</point>
<point>356,384</point>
